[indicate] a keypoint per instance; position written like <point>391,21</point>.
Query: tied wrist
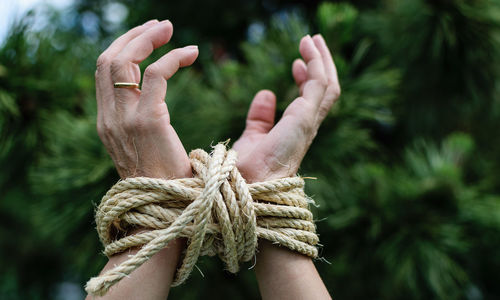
<point>217,211</point>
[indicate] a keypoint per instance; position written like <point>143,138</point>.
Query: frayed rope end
<point>96,287</point>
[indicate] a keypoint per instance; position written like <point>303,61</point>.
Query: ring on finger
<point>126,85</point>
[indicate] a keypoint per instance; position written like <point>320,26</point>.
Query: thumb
<point>260,118</point>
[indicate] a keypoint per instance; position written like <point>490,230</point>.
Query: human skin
<point>269,151</point>
<point>134,126</point>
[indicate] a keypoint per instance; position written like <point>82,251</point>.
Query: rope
<point>217,211</point>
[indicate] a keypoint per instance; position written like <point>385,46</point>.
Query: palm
<point>268,151</point>
<point>268,154</point>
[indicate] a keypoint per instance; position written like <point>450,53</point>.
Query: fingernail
<point>151,22</point>
<point>164,21</point>
<point>191,47</point>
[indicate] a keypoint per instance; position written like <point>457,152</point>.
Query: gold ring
<point>126,85</point>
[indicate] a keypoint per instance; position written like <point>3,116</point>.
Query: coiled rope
<point>217,211</point>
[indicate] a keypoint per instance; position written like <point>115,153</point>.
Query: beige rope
<point>216,211</point>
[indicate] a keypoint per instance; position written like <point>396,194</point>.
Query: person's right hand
<point>134,124</point>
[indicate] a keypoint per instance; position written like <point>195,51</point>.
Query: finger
<point>141,46</point>
<point>299,72</point>
<point>124,39</point>
<point>124,66</point>
<point>332,92</point>
<point>104,83</point>
<point>154,85</point>
<point>260,118</point>
<point>316,79</point>
<point>137,50</point>
<point>330,69</point>
<point>302,112</point>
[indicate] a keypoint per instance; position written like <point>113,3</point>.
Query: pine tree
<point>407,189</point>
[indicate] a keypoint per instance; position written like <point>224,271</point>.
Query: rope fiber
<point>216,210</point>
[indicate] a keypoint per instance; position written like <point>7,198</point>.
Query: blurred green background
<point>408,161</point>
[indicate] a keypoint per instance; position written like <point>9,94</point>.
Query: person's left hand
<point>267,151</point>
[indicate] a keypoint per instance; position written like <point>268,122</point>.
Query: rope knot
<point>217,211</point>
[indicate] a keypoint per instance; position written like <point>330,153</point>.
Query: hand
<point>134,124</point>
<point>267,151</point>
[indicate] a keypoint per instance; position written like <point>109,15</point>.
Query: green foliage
<point>408,192</point>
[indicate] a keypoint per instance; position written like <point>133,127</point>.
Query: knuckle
<point>129,125</point>
<point>306,127</point>
<point>175,56</point>
<point>103,130</point>
<point>313,133</point>
<point>309,129</point>
<point>116,65</point>
<point>133,123</point>
<point>102,61</point>
<point>135,31</point>
<point>324,110</point>
<point>175,52</point>
<point>333,90</point>
<point>336,92</point>
<point>100,130</point>
<point>137,124</point>
<point>318,84</point>
<point>152,70</point>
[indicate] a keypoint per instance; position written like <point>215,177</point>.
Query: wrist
<point>284,274</point>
